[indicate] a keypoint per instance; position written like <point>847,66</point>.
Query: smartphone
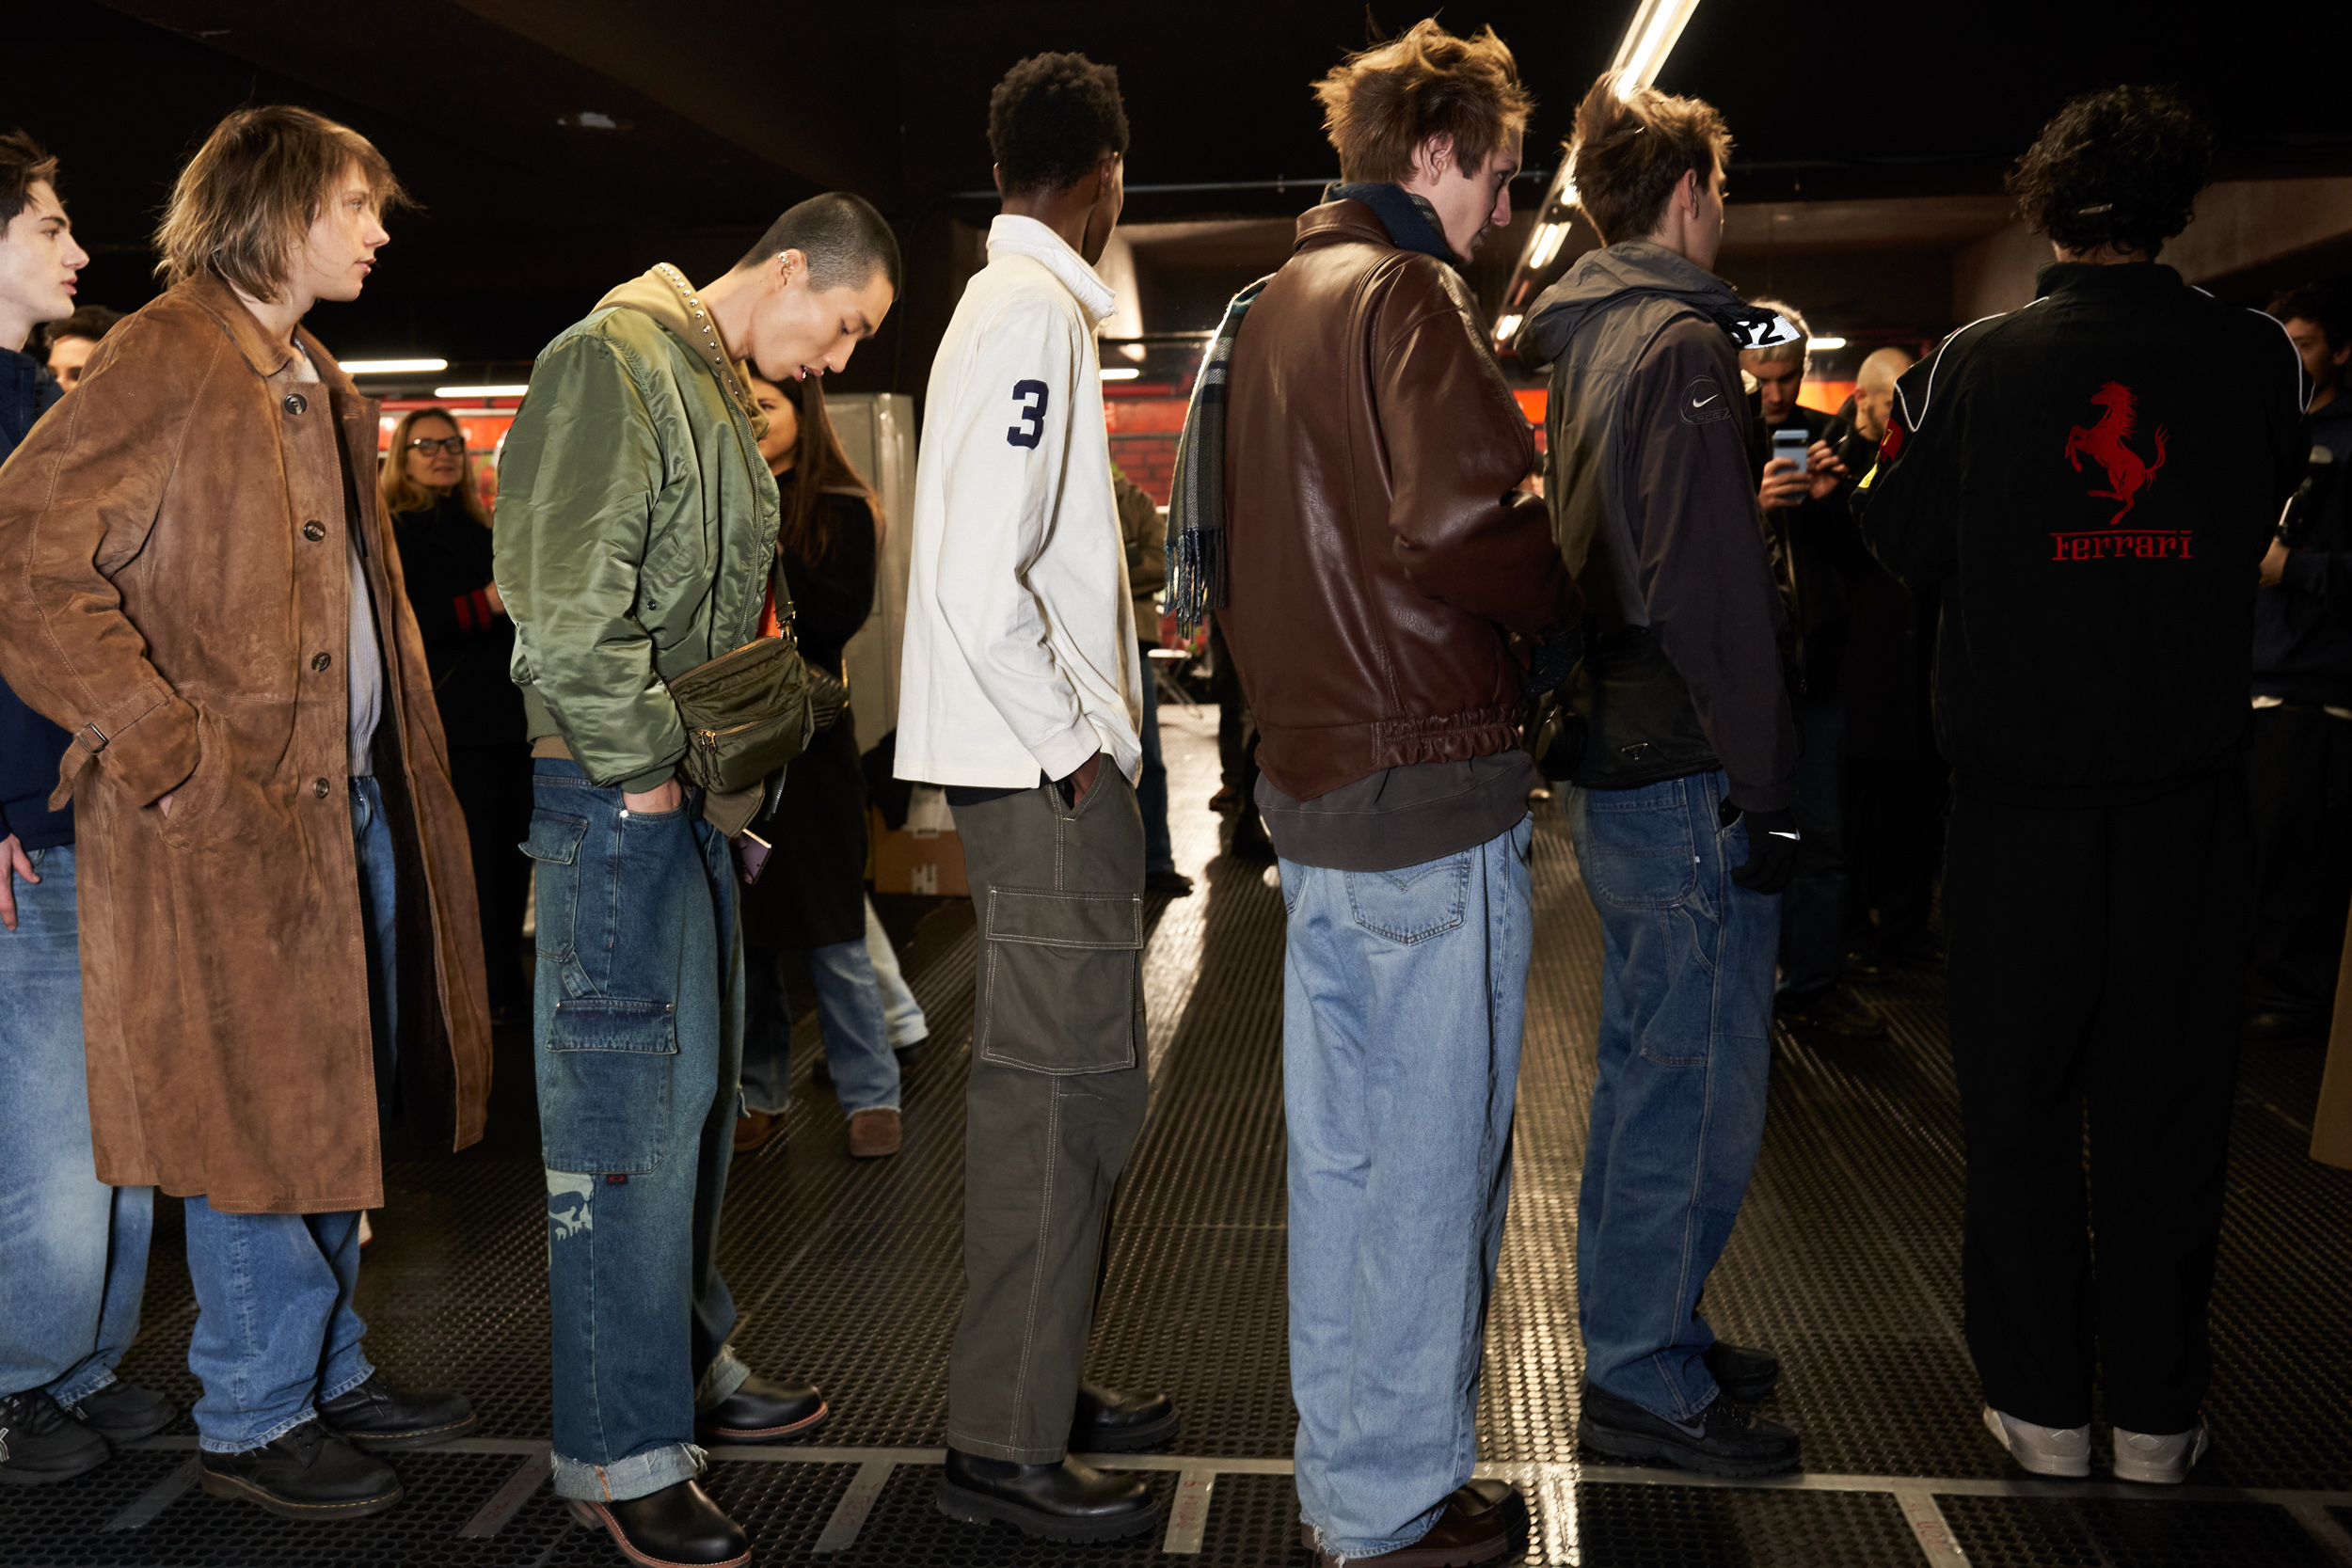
<point>1791,441</point>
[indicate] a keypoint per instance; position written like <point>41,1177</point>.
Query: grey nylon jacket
<point>636,524</point>
<point>1653,510</point>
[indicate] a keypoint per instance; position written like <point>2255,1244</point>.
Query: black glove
<point>1553,657</point>
<point>1772,840</point>
<point>828,695</point>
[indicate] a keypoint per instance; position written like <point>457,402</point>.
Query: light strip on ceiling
<point>392,367</point>
<point>1649,37</point>
<point>481,392</point>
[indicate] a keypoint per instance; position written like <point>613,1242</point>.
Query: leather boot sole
<point>260,1497</point>
<point>595,1517</point>
<point>411,1438</point>
<point>1635,1445</point>
<point>15,1474</point>
<point>978,1507</point>
<point>1126,1440</point>
<point>802,1427</point>
<point>1461,1555</point>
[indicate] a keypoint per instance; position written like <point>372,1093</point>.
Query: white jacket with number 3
<point>1021,653</point>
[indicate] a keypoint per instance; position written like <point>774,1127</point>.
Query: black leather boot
<point>122,1413</point>
<point>379,1418</point>
<point>1747,1372</point>
<point>677,1525</point>
<point>39,1442</point>
<point>1108,1421</point>
<point>764,1410</point>
<point>1069,1502</point>
<point>308,1473</point>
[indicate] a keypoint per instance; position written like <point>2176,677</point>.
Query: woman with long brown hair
<point>812,893</point>
<point>443,531</point>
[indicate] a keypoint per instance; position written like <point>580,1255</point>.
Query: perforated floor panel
<point>1846,1260</point>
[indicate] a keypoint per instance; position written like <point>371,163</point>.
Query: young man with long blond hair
<point>280,954</point>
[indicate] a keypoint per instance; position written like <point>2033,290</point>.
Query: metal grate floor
<point>1846,1260</point>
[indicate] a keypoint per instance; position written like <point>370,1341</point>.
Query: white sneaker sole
<point>2131,1466</point>
<point>2037,1463</point>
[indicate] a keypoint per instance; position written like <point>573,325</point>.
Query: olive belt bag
<point>747,713</point>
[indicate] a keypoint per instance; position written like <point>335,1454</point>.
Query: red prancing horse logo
<point>2104,441</point>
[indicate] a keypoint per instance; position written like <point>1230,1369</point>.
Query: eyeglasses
<point>453,445</point>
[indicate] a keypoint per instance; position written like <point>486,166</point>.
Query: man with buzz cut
<point>636,529</point>
<point>1021,693</point>
<point>1680,804</point>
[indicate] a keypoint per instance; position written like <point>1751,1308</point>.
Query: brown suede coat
<point>175,587</point>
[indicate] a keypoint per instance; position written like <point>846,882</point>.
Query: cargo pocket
<point>604,1101</point>
<point>1061,990</point>
<point>553,845</point>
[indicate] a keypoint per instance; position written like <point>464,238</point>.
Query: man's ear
<point>1434,157</point>
<point>1687,194</point>
<point>2343,355</point>
<point>789,265</point>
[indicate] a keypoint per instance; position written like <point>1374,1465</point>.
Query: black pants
<point>493,787</point>
<point>2095,957</point>
<point>1894,841</point>
<point>2298,774</point>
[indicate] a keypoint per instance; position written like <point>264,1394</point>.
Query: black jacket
<point>1654,509</point>
<point>2095,515</point>
<point>1817,553</point>
<point>30,745</point>
<point>2303,626</point>
<point>445,556</point>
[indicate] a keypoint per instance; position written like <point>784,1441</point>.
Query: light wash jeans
<point>638,1025</point>
<point>276,1335</point>
<point>849,1013</point>
<point>903,1016</point>
<point>1403,994</point>
<point>1686,1014</point>
<point>72,1250</point>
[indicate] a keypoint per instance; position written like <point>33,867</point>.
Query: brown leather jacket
<point>1378,551</point>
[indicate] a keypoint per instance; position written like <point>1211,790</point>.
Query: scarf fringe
<point>1197,580</point>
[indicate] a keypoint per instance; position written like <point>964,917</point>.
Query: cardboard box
<point>917,858</point>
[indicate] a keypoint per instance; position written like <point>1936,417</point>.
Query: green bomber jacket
<point>636,524</point>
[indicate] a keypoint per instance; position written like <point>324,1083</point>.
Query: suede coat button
<point>296,403</point>
<point>314,530</point>
<point>321,662</point>
<point>320,789</point>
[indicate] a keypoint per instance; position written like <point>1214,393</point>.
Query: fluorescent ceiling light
<point>481,392</point>
<point>1549,239</point>
<point>1504,327</point>
<point>1120,373</point>
<point>1649,40</point>
<point>391,366</point>
<point>1824,342</point>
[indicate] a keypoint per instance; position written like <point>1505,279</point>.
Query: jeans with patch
<point>638,1022</point>
<point>849,1014</point>
<point>276,1335</point>
<point>1404,996</point>
<point>1685,1053</point>
<point>72,1249</point>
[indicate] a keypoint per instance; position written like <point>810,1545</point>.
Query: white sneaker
<point>2044,1450</point>
<point>2159,1461</point>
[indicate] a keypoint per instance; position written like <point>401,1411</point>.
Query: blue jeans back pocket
<point>605,1090</point>
<point>1414,902</point>
<point>1639,856</point>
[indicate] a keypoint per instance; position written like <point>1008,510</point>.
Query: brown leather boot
<point>1474,1527</point>
<point>754,1129</point>
<point>874,1134</point>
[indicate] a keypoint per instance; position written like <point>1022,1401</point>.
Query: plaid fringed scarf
<point>1196,501</point>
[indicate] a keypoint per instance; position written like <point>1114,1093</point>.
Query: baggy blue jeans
<point>276,1335</point>
<point>1686,1009</point>
<point>849,1013</point>
<point>72,1250</point>
<point>1404,995</point>
<point>638,1021</point>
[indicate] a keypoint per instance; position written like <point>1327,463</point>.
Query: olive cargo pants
<point>1055,1097</point>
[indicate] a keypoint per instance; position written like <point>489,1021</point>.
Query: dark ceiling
<point>722,114</point>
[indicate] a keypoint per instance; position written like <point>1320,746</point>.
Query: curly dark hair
<point>2118,167</point>
<point>1052,119</point>
<point>2327,306</point>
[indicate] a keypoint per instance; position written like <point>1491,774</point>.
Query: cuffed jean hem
<point>639,1475</point>
<point>982,1449</point>
<point>724,1375</point>
<point>80,1383</point>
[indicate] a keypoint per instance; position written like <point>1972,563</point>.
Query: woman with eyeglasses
<point>443,531</point>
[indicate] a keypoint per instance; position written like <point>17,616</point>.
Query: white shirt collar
<point>1020,236</point>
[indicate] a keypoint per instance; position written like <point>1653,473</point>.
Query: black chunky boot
<point>376,1418</point>
<point>1069,1502</point>
<point>1109,1421</point>
<point>41,1443</point>
<point>674,1526</point>
<point>308,1473</point>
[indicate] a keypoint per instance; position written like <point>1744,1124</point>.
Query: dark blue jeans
<point>274,1330</point>
<point>639,1025</point>
<point>72,1250</point>
<point>1685,1052</point>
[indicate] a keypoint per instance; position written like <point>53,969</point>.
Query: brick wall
<point>1143,432</point>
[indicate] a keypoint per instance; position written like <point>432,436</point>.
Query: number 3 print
<point>1032,414</point>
